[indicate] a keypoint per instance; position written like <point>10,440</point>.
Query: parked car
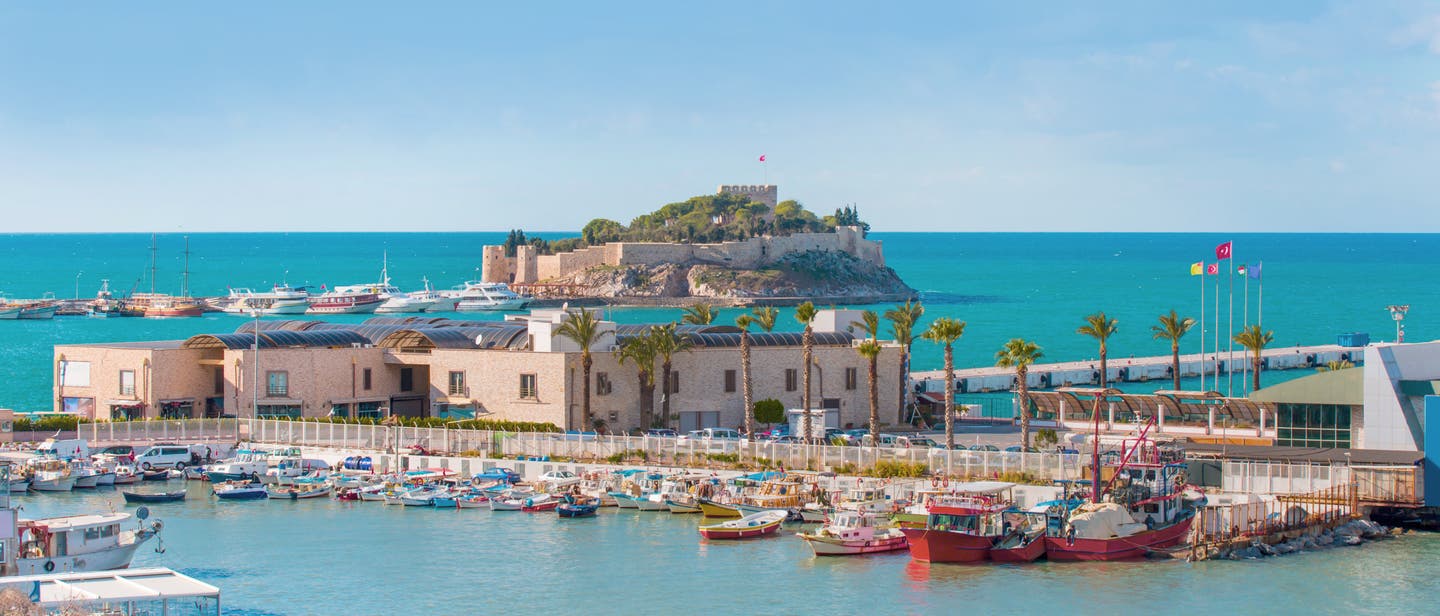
<point>836,435</point>
<point>661,432</point>
<point>115,452</point>
<point>1019,449</point>
<point>164,456</point>
<point>984,448</point>
<point>921,441</point>
<point>788,439</point>
<point>712,439</point>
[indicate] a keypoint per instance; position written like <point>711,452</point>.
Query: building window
<point>127,382</point>
<point>603,386</point>
<point>177,410</point>
<point>274,411</point>
<point>852,377</point>
<point>368,410</point>
<point>365,379</point>
<point>792,379</point>
<point>340,410</point>
<point>277,384</point>
<point>84,407</point>
<point>457,383</point>
<point>218,378</point>
<point>1312,425</point>
<point>74,374</point>
<point>729,381</point>
<point>407,379</point>
<point>527,387</point>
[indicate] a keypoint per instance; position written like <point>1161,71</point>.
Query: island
<point>738,246</point>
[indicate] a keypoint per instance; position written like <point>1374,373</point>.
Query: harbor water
<point>1005,285</point>
<point>328,557</point>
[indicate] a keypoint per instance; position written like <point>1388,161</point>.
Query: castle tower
<point>495,266</point>
<point>763,193</point>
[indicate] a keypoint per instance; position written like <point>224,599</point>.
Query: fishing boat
<point>39,309</point>
<point>125,475</point>
<point>577,510</point>
<point>854,532</point>
<point>1026,540</point>
<point>477,296</point>
<point>1144,506</point>
<point>158,474</point>
<point>754,525</point>
<point>280,299</point>
<point>297,492</point>
<point>19,484</point>
<point>92,542</point>
<point>964,526</point>
<point>539,503</point>
<point>716,509</point>
<point>51,475</point>
<point>84,474</point>
<point>236,490</point>
<point>472,500</point>
<point>153,497</point>
<point>508,503</point>
<point>247,464</point>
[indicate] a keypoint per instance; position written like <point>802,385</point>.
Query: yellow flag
<point>1197,268</point>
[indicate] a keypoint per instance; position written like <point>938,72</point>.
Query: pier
<point>1134,369</point>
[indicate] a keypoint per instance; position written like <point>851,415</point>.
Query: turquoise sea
<point>1004,285</point>
<point>331,557</point>
<point>362,558</point>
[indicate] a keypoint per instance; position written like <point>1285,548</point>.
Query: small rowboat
<point>542,502</point>
<point>249,491</point>
<point>155,475</point>
<point>297,492</point>
<point>472,501</point>
<point>712,509</point>
<point>756,525</point>
<point>569,510</point>
<point>156,497</point>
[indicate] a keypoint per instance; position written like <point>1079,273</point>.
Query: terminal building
<point>518,369</point>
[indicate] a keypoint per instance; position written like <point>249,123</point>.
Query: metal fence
<point>660,451</point>
<point>1240,523</point>
<point>1372,484</point>
<point>178,430</point>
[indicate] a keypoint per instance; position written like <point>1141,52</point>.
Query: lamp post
<point>255,383</point>
<point>77,283</point>
<point>1397,312</point>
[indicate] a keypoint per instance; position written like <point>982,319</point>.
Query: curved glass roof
<point>225,341</point>
<point>426,338</point>
<point>278,338</point>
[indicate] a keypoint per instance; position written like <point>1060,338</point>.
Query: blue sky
<point>1015,116</point>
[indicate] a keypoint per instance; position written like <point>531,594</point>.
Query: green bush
<point>896,468</point>
<point>769,411</point>
<point>726,458</point>
<point>436,422</point>
<point>49,423</point>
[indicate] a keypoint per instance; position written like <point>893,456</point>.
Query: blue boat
<point>252,491</point>
<point>571,510</point>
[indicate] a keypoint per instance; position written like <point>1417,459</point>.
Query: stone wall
<point>768,194</point>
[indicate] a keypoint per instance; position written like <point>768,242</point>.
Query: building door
<point>695,420</point>
<point>214,407</point>
<point>409,406</point>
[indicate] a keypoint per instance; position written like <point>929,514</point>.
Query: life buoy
<point>945,482</point>
<point>934,482</point>
<point>49,566</point>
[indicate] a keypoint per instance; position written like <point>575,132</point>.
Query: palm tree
<point>765,317</point>
<point>870,323</point>
<point>1173,327</point>
<point>1019,354</point>
<point>667,343</point>
<point>1255,340</point>
<point>805,314</point>
<point>946,331</point>
<point>744,322</point>
<point>870,350</point>
<point>1100,327</point>
<point>699,314</point>
<point>640,351</point>
<point>583,328</point>
<point>902,323</point>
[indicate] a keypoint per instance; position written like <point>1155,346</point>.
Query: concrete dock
<point>1134,369</point>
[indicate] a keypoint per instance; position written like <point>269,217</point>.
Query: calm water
<point>325,557</point>
<point>1037,286</point>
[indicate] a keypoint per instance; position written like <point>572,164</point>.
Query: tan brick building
<point>515,370</point>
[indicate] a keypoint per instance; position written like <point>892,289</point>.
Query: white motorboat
<point>440,301</point>
<point>51,475</point>
<point>126,475</point>
<point>477,296</point>
<point>92,542</point>
<point>247,464</point>
<point>854,532</point>
<point>392,299</point>
<point>281,299</point>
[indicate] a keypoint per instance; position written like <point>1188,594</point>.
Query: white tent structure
<point>132,591</point>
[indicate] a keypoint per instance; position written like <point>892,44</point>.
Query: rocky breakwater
<point>1351,533</point>
<point>817,275</point>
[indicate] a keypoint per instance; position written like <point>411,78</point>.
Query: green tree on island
<point>1100,327</point>
<point>1019,354</point>
<point>1173,327</point>
<point>1255,340</point>
<point>903,319</point>
<point>583,328</point>
<point>946,331</point>
<point>805,314</point>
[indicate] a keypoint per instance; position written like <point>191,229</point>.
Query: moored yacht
<point>476,296</point>
<point>281,299</point>
<point>91,542</point>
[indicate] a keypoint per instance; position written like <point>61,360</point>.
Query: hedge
<point>436,422</point>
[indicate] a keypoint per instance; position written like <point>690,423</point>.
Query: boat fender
<point>49,566</point>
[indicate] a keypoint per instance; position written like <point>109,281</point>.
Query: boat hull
<point>118,557</point>
<point>716,532</point>
<point>87,481</point>
<point>712,509</point>
<point>242,494</point>
<point>676,507</point>
<point>830,546</point>
<point>60,484</point>
<point>1025,553</point>
<point>934,546</point>
<point>1119,548</point>
<point>576,511</point>
<point>650,504</point>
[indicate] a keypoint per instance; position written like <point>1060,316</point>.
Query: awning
<point>931,398</point>
<point>177,401</point>
<point>126,403</point>
<point>453,401</point>
<point>281,402</point>
<point>334,401</point>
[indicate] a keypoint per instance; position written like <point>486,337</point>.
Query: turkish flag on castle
<point>1222,251</point>
<point>762,158</point>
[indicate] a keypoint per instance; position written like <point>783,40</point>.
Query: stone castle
<point>528,267</point>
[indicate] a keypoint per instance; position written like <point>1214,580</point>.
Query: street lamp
<point>1397,312</point>
<point>77,283</point>
<point>255,383</point>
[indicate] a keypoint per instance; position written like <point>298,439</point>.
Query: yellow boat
<point>712,509</point>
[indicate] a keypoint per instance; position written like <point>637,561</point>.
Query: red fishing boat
<point>964,527</point>
<point>1144,506</point>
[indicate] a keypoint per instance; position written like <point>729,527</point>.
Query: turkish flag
<point>1222,251</point>
<point>762,158</point>
<point>1213,269</point>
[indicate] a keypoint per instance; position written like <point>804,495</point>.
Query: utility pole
<point>1397,312</point>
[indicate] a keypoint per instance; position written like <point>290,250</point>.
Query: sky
<point>1007,116</point>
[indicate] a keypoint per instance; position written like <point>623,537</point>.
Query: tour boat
<point>75,543</point>
<point>439,300</point>
<point>156,497</point>
<point>962,528</point>
<point>163,305</point>
<point>332,302</point>
<point>235,490</point>
<point>854,532</point>
<point>476,296</point>
<point>755,525</point>
<point>281,299</point>
<point>39,310</point>
<point>392,299</point>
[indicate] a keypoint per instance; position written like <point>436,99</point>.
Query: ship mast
<point>152,263</point>
<point>185,277</point>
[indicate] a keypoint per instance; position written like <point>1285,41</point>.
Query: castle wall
<point>526,266</point>
<point>495,266</point>
<point>768,194</point>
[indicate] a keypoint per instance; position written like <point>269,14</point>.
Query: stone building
<point>517,369</point>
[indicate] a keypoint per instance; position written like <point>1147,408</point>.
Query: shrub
<point>49,423</point>
<point>897,468</point>
<point>769,411</point>
<point>1046,438</point>
<point>726,458</point>
<point>847,468</point>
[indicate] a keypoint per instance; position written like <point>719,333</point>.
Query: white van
<point>64,449</point>
<point>163,456</point>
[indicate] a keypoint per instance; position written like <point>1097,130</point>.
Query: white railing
<point>177,430</point>
<point>1278,477</point>
<point>656,450</point>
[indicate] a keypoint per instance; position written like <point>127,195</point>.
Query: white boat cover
<point>1103,521</point>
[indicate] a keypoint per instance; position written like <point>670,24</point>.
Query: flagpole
<point>1244,323</point>
<point>1230,325</point>
<point>1202,325</point>
<point>1216,379</point>
<point>1260,310</point>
